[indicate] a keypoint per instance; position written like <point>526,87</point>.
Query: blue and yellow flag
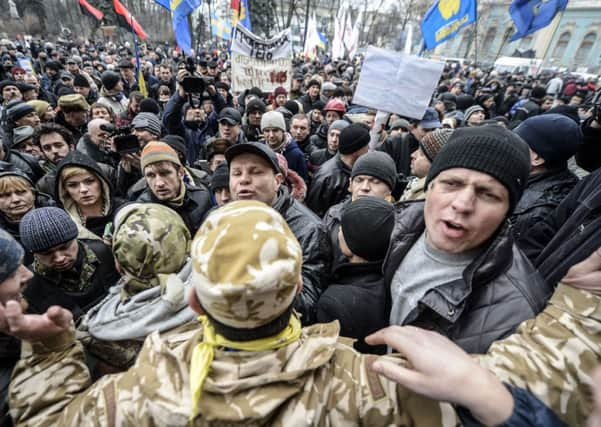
<point>323,41</point>
<point>180,9</point>
<point>240,14</point>
<point>532,15</point>
<point>220,27</point>
<point>140,73</point>
<point>445,18</point>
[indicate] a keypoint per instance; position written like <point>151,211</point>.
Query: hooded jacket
<point>329,186</point>
<point>316,252</point>
<point>499,288</point>
<point>95,224</point>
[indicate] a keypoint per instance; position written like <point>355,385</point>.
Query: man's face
<point>317,117</point>
<point>419,132</point>
<point>67,81</point>
<point>463,209</point>
<point>254,118</point>
<point>30,79</point>
<point>76,118</point>
<point>366,185</point>
<point>144,136</point>
<point>280,100</point>
<point>333,140</point>
<point>331,117</point>
<point>127,73</point>
<point>164,74</point>
<point>19,76</point>
<point>420,165</point>
<point>16,202</point>
<point>83,90</point>
<point>212,71</point>
<point>51,72</point>
<point>164,180</point>
<point>252,178</point>
<point>547,104</point>
<point>222,92</point>
<point>456,90</point>
<point>84,189</point>
<point>216,160</point>
<point>314,91</point>
<point>229,131</point>
<point>476,118</point>
<point>370,120</point>
<point>207,106</point>
<point>61,257</point>
<point>54,147</point>
<point>134,105</point>
<point>300,129</point>
<point>10,288</point>
<point>72,67</point>
<point>575,100</point>
<point>273,136</point>
<point>30,119</point>
<point>101,113</point>
<point>222,196</point>
<point>296,84</point>
<point>195,115</point>
<point>10,93</point>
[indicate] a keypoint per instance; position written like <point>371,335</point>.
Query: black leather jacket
<point>543,194</point>
<point>329,186</point>
<point>316,252</point>
<point>197,204</point>
<point>500,288</point>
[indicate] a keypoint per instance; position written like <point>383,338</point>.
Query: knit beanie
<point>464,101</point>
<point>339,125</point>
<point>554,137</point>
<point>81,81</point>
<point>11,255</point>
<point>221,177</point>
<point>40,107</point>
<point>353,138</point>
<point>44,228</point>
<point>255,104</point>
<point>280,91</point>
<point>377,164</point>
<point>18,111</point>
<point>570,111</point>
<point>149,122</point>
<point>149,105</point>
<point>292,106</point>
<point>367,224</point>
<point>157,151</point>
<point>471,110</point>
<point>492,150</point>
<point>246,264</point>
<point>432,142</point>
<point>273,119</point>
<point>110,79</point>
<point>177,143</point>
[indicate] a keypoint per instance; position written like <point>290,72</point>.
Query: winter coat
<point>329,186</point>
<point>26,163</point>
<point>319,157</point>
<point>320,138</point>
<point>400,147</point>
<point>544,192</point>
<point>87,147</point>
<point>193,176</point>
<point>569,234</point>
<point>77,132</point>
<point>196,205</point>
<point>529,109</point>
<point>316,252</point>
<point>95,267</point>
<point>295,158</point>
<point>589,154</point>
<point>331,222</point>
<point>308,103</point>
<point>358,299</point>
<point>499,289</point>
<point>111,203</point>
<point>117,101</point>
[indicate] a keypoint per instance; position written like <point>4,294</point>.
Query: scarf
<point>203,353</point>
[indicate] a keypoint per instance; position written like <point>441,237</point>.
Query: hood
<point>79,159</point>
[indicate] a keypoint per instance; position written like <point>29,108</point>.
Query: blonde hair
<point>71,171</point>
<point>14,183</point>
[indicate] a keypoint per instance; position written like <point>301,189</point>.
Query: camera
<point>125,142</point>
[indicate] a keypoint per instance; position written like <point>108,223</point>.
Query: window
<point>561,45</point>
<point>585,48</point>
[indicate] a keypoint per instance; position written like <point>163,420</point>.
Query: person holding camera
<point>184,115</point>
<point>96,143</point>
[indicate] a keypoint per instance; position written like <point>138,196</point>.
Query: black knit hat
<point>221,177</point>
<point>80,81</point>
<point>367,224</point>
<point>492,150</point>
<point>44,228</point>
<point>255,104</point>
<point>353,138</point>
<point>110,79</point>
<point>377,164</point>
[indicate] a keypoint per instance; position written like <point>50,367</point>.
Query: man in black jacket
<point>553,139</point>
<point>164,176</point>
<point>255,175</point>
<point>331,182</point>
<point>452,265</point>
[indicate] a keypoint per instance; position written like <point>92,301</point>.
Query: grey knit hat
<point>45,228</point>
<point>273,119</point>
<point>149,122</point>
<point>471,110</point>
<point>11,255</point>
<point>338,125</point>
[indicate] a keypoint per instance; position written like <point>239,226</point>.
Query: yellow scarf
<point>203,353</point>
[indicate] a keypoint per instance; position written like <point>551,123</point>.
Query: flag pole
<point>306,21</point>
<point>210,22</point>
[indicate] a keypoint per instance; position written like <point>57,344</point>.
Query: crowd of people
<point>175,253</point>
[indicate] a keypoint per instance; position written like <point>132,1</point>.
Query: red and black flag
<point>89,10</point>
<point>126,20</point>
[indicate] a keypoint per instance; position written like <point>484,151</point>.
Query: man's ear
<point>279,178</point>
<point>536,160</point>
<point>194,303</point>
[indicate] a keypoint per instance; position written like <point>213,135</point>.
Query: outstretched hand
<point>441,370</point>
<point>33,327</point>
<point>586,274</point>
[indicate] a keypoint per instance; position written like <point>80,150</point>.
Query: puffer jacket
<point>500,288</point>
<point>544,192</point>
<point>195,207</point>
<point>316,252</point>
<point>95,224</point>
<point>329,186</point>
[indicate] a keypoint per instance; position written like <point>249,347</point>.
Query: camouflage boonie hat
<point>246,264</point>
<point>150,242</point>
